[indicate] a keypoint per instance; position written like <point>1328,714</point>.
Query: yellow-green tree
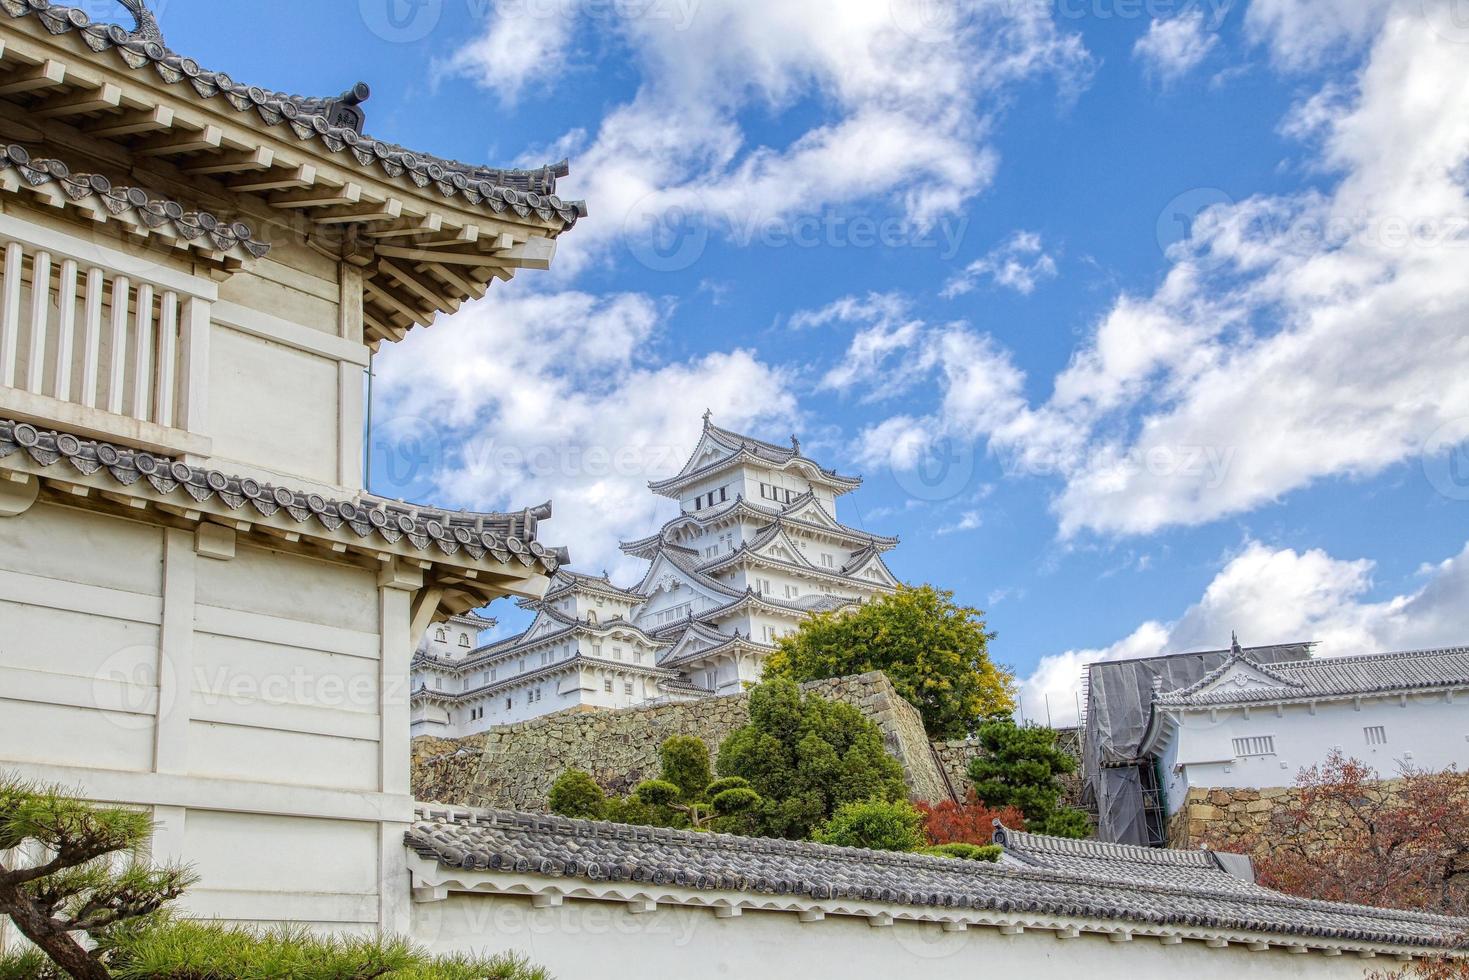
<point>935,652</point>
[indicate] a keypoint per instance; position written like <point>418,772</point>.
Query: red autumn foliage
<point>970,822</point>
<point>1341,838</point>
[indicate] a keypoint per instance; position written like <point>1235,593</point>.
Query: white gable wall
<point>1428,732</point>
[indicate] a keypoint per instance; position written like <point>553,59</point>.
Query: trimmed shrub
<point>878,825</point>
<point>576,794</point>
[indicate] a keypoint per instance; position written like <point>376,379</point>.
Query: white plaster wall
<point>244,700</point>
<point>1427,732</point>
<point>599,939</point>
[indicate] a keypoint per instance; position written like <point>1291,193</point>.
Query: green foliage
<point>74,870</point>
<point>735,800</point>
<point>77,881</point>
<point>1019,767</point>
<point>878,825</point>
<point>683,797</point>
<point>656,792</point>
<point>576,794</point>
<point>965,852</point>
<point>182,950</point>
<point>934,651</point>
<point>686,765</point>
<point>806,756</point>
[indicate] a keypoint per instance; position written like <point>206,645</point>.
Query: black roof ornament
<point>146,29</point>
<point>1234,644</point>
<point>345,111</point>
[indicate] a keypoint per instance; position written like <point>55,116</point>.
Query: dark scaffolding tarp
<point>1119,698</point>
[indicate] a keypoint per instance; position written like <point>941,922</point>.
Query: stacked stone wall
<point>1243,815</point>
<point>513,766</point>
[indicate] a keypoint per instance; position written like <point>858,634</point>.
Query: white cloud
<point>1175,46</point>
<point>523,397</point>
<point>1019,263</point>
<point>514,50</point>
<point>1295,338</point>
<point>969,520</point>
<point>903,114</point>
<point>1279,596</point>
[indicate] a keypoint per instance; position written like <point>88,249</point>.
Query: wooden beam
<point>428,224</point>
<point>533,253</point>
<point>181,141</point>
<point>441,258</point>
<point>433,297</point>
<point>393,303</point>
<point>260,158</point>
<point>319,196</point>
<point>133,122</point>
<point>109,96</point>
<point>468,287</point>
<point>389,210</point>
<point>280,178</point>
<point>48,74</point>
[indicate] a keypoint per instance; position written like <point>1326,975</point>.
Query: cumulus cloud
<point>1019,263</point>
<point>525,396</point>
<point>904,107</point>
<point>1295,338</point>
<point>1175,46</point>
<point>1272,595</point>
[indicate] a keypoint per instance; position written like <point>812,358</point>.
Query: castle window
<point>1254,745</point>
<point>1376,735</point>
<point>591,615</point>
<point>440,635</point>
<point>508,704</point>
<point>607,686</point>
<point>627,688</point>
<point>723,495</point>
<point>464,639</point>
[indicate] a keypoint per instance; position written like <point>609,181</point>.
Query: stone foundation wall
<point>1240,814</point>
<point>513,766</point>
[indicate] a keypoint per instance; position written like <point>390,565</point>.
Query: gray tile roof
<point>524,192</point>
<point>199,229</point>
<point>1328,677</point>
<point>506,537</point>
<point>1160,893</point>
<point>1127,862</point>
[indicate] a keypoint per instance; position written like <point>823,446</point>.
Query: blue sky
<point>1145,320</point>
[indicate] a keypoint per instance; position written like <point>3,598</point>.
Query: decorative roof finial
<point>146,28</point>
<point>795,443</point>
<point>708,414</point>
<point>1234,644</point>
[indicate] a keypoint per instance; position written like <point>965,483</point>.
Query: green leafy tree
<point>73,885</point>
<point>1019,767</point>
<point>83,876</point>
<point>878,825</point>
<point>806,756</point>
<point>576,794</point>
<point>686,765</point>
<point>934,651</point>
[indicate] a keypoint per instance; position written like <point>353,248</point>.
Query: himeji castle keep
<point>756,547</point>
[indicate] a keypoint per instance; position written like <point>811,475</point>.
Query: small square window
<point>1376,735</point>
<point>1254,745</point>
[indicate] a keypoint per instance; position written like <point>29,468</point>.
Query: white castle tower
<point>756,548</point>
